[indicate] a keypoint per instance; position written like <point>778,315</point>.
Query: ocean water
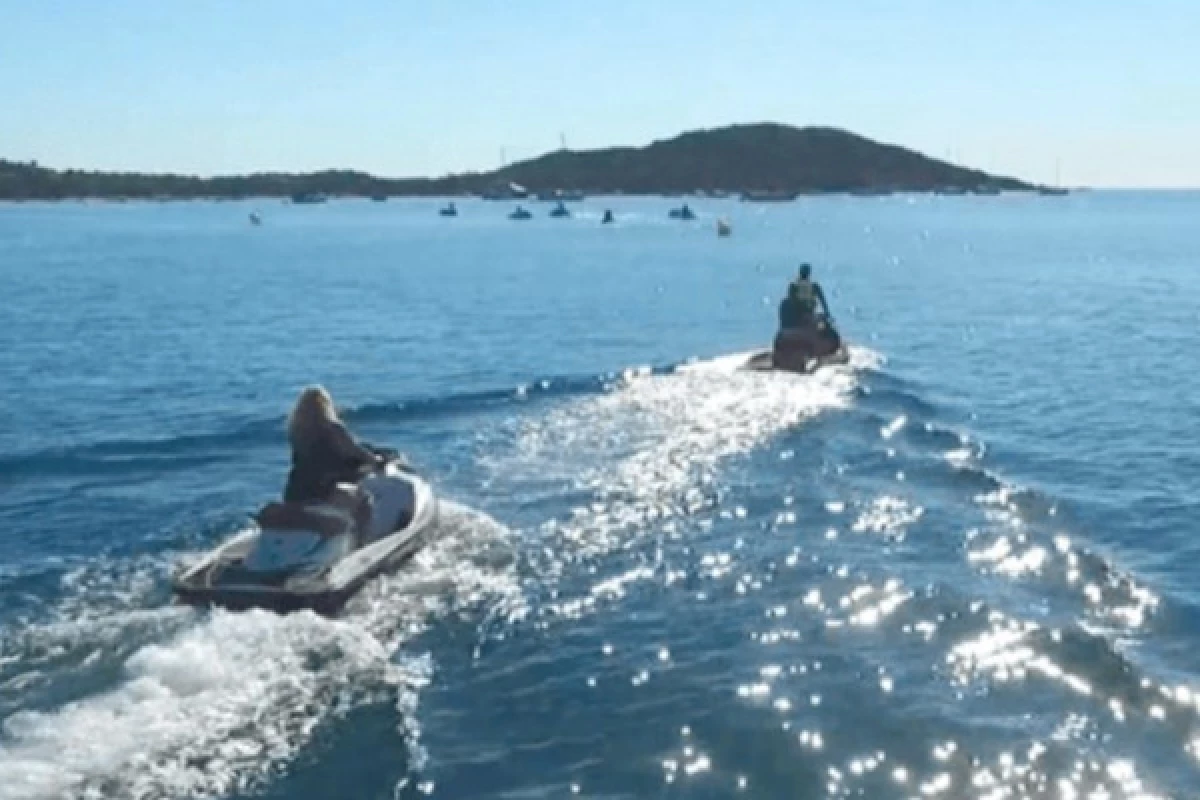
<point>966,565</point>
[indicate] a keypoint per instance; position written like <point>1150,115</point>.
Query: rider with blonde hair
<point>324,453</point>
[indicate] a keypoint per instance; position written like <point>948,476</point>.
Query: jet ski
<point>802,350</point>
<point>683,212</point>
<point>449,210</point>
<point>520,213</point>
<point>317,556</point>
<point>560,211</point>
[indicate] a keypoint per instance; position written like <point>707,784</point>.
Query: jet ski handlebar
<point>384,457</point>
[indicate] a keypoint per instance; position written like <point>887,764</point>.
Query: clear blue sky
<point>401,87</point>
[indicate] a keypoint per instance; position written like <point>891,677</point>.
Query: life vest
<point>805,294</point>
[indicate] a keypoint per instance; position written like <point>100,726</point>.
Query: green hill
<point>751,157</point>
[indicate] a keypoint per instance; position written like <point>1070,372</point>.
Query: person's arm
<point>346,447</point>
<point>820,293</point>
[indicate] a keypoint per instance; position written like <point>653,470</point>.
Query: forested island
<point>767,159</point>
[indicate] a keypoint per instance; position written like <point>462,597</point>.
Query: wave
<point>1009,651</point>
<point>132,455</point>
<point>125,457</point>
<point>553,387</point>
<point>888,395</point>
<point>956,644</point>
<point>183,452</point>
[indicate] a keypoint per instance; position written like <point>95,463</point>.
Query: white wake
<point>216,706</point>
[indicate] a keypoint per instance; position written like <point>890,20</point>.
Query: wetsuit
<point>798,309</point>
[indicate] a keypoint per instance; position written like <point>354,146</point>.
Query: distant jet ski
<point>802,350</point>
<point>316,556</point>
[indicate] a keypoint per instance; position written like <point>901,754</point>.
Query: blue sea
<point>966,565</point>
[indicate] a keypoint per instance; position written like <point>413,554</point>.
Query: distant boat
<point>768,196</point>
<point>683,212</point>
<point>379,198</point>
<point>723,227</point>
<point>505,191</point>
<point>560,211</point>
<point>308,198</point>
<point>520,213</point>
<point>608,217</point>
<point>560,196</point>
<point>255,219</point>
<point>1056,190</point>
<point>449,210</point>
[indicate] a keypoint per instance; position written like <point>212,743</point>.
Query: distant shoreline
<point>774,162</point>
<point>689,197</point>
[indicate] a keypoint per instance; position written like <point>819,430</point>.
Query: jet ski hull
<point>764,361</point>
<point>802,351</point>
<point>251,570</point>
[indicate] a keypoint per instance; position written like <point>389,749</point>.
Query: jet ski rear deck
<point>764,361</point>
<point>802,350</point>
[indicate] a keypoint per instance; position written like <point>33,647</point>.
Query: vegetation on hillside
<point>736,158</point>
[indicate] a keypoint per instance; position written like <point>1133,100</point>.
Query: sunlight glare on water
<point>959,566</point>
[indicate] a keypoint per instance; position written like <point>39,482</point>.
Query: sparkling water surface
<point>965,565</point>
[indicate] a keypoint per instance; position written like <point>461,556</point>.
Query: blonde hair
<point>314,409</point>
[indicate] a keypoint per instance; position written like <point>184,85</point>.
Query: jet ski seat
<point>292,517</point>
<point>344,508</point>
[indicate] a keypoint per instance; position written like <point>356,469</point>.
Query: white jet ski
<point>316,556</point>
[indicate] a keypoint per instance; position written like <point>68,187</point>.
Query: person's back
<point>323,451</point>
<point>799,308</point>
<point>791,313</point>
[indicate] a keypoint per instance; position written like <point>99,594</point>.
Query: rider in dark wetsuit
<point>803,333</point>
<point>798,311</point>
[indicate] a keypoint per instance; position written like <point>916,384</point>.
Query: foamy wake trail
<point>220,705</point>
<point>649,450</point>
<point>102,606</point>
